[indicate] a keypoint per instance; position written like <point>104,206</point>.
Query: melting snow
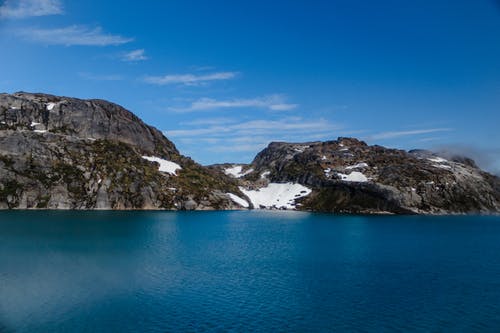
<point>165,166</point>
<point>354,176</point>
<point>240,201</point>
<point>300,149</point>
<point>50,106</point>
<point>442,166</point>
<point>277,195</point>
<point>236,171</point>
<point>437,160</point>
<point>265,174</point>
<point>359,165</point>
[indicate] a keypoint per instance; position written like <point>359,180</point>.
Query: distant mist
<point>486,159</point>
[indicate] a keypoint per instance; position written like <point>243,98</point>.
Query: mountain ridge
<point>69,153</point>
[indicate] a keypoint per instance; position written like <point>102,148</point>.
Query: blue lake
<point>247,271</point>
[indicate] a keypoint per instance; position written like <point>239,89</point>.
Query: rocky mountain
<point>68,153</point>
<point>349,176</point>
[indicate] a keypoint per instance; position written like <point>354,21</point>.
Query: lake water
<point>247,271</point>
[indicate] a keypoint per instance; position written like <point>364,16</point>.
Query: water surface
<point>240,271</point>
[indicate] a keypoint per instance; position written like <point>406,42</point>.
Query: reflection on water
<point>165,271</point>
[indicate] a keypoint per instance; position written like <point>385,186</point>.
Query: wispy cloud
<point>201,68</point>
<point>486,158</point>
<point>209,121</point>
<point>190,79</point>
<point>397,134</point>
<point>253,135</point>
<point>428,139</point>
<point>100,77</point>
<point>135,55</point>
<point>30,8</point>
<point>283,127</point>
<point>73,35</point>
<point>272,102</point>
<point>238,148</point>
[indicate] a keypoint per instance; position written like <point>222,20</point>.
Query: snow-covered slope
<point>276,195</point>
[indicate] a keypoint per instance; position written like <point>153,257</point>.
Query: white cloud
<point>189,79</point>
<point>397,134</point>
<point>100,77</point>
<point>262,129</point>
<point>209,121</point>
<point>250,136</point>
<point>73,35</point>
<point>135,55</point>
<point>201,68</point>
<point>272,102</point>
<point>238,148</point>
<point>30,8</point>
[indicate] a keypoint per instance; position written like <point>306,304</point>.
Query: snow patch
<point>33,124</point>
<point>236,171</point>
<point>50,106</point>
<point>40,131</point>
<point>442,166</point>
<point>323,158</point>
<point>240,201</point>
<point>437,160</point>
<point>265,174</point>
<point>165,166</point>
<point>276,195</point>
<point>356,166</point>
<point>300,149</point>
<point>354,176</point>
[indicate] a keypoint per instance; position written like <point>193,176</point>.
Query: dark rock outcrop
<point>68,153</point>
<point>349,176</point>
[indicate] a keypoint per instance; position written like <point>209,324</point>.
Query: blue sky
<point>222,79</point>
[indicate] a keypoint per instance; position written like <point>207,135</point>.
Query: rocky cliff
<point>68,153</point>
<point>349,176</point>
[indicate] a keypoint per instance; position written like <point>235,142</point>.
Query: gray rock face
<point>67,153</point>
<point>348,176</point>
<point>83,119</point>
